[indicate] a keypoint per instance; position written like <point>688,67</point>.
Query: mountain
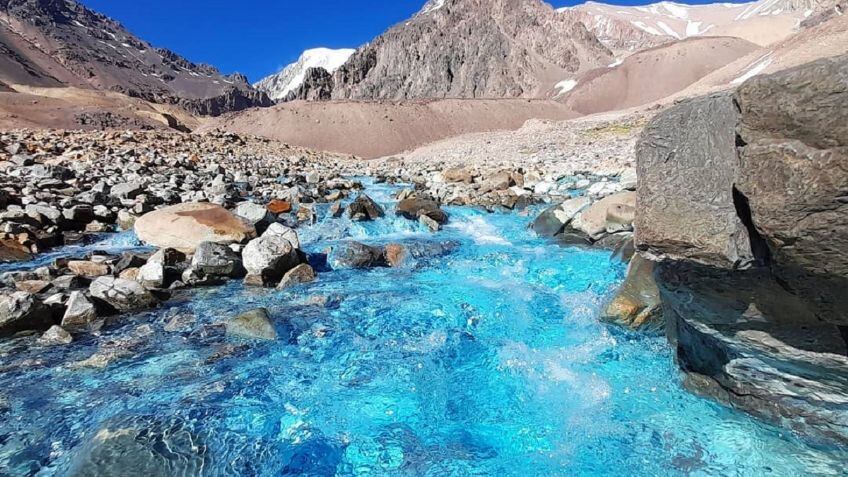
<point>63,43</point>
<point>470,49</point>
<point>627,29</point>
<point>280,84</point>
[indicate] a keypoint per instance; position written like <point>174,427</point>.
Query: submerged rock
<point>253,324</point>
<point>144,446</point>
<point>185,226</point>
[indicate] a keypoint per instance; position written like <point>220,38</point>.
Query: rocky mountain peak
<point>471,49</point>
<point>61,43</point>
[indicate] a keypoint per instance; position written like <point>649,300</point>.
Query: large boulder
<point>21,311</point>
<point>742,199</point>
<point>121,294</point>
<point>185,226</point>
<point>269,257</point>
<point>793,180</point>
<point>687,165</point>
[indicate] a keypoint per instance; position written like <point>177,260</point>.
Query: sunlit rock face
<point>742,199</point>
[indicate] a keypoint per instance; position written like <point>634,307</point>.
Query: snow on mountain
<point>632,28</point>
<point>278,85</point>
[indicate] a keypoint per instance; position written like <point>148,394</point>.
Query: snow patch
<point>565,86</point>
<point>668,30</point>
<point>756,68</point>
<point>433,5</point>
<point>292,76</point>
<point>642,26</point>
<point>616,63</point>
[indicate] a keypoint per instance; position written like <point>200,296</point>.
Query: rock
<point>687,165</point>
<point>151,275</point>
<point>168,257</point>
<point>414,208</point>
<point>336,209</point>
<point>744,203</point>
<point>80,313</point>
<point>33,287</point>
<point>127,190</point>
<point>396,255</point>
<point>21,311</point>
<point>554,220</point>
<point>277,207</point>
<point>593,220</point>
<point>637,303</point>
<point>620,218</point>
<point>150,446</point>
<point>253,324</point>
<point>284,232</point>
<point>13,251</point>
<point>126,219</point>
<point>430,223</point>
<point>215,259</point>
<point>185,226</point>
<point>254,214</point>
<point>298,275</point>
<point>122,295</point>
<point>55,336</point>
<point>87,268</point>
<point>459,174</point>
<point>364,208</point>
<point>628,179</point>
<point>354,255</point>
<point>269,257</point>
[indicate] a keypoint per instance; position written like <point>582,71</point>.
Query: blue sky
<point>257,37</point>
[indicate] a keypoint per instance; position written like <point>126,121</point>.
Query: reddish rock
<point>279,207</point>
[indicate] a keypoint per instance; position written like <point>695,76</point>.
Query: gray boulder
<point>687,165</point>
<point>215,259</point>
<point>553,220</point>
<point>80,313</point>
<point>122,295</point>
<point>21,311</point>
<point>55,336</point>
<point>269,257</point>
<point>355,255</point>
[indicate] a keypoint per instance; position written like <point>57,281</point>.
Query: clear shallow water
<point>487,361</point>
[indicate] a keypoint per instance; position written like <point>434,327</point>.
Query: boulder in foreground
<point>185,226</point>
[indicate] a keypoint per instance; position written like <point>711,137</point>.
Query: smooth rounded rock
<point>185,226</point>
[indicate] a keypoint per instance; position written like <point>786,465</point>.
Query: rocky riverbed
<point>130,257</point>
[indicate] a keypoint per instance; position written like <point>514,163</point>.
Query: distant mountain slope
<point>280,84</point>
<point>654,74</point>
<point>634,28</point>
<point>61,42</point>
<point>470,49</point>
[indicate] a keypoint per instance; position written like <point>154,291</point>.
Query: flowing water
<point>489,360</point>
